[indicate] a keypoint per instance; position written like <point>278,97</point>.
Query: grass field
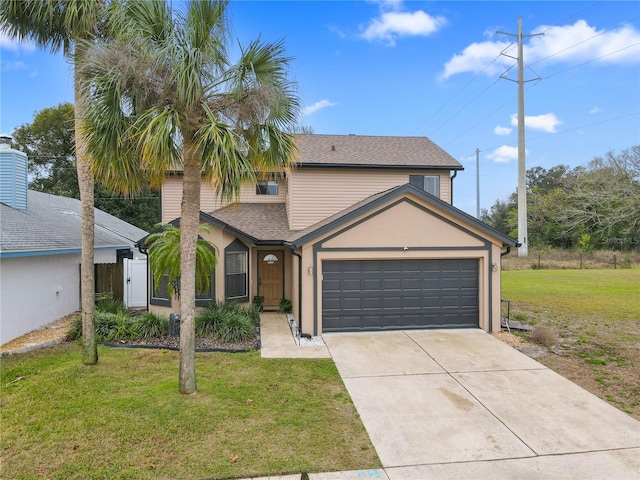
<point>124,418</point>
<point>596,317</point>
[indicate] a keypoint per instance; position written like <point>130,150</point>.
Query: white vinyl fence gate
<point>135,282</point>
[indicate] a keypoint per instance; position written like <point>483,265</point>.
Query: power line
<point>621,117</point>
<point>586,40</point>
<point>459,91</point>
<point>485,117</point>
<point>592,60</point>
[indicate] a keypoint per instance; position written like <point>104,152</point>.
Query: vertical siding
<point>319,193</point>
<point>209,201</point>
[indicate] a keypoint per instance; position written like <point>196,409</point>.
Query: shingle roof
<point>261,222</point>
<point>267,223</point>
<point>372,151</point>
<point>53,223</point>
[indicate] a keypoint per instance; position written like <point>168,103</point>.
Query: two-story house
<point>360,235</point>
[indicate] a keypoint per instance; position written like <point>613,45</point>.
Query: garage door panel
<point>372,284</point>
<point>372,303</point>
<point>351,285</point>
<point>399,294</point>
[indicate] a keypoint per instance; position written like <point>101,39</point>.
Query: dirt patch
<point>519,343</point>
<point>51,332</point>
<point>598,356</point>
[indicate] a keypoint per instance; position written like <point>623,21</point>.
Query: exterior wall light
<point>310,270</point>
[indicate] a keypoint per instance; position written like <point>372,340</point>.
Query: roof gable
<point>361,208</point>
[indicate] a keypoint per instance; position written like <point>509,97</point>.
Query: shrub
<point>112,327</point>
<point>125,329</point>
<point>151,325</point>
<point>75,332</point>
<point>544,336</point>
<point>208,320</point>
<point>257,301</point>
<point>285,306</point>
<point>229,322</point>
<point>254,312</point>
<point>235,327</point>
<point>106,303</point>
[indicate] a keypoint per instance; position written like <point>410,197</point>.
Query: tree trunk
<point>189,222</point>
<point>87,275</point>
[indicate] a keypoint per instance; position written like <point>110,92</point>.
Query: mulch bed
<point>203,344</point>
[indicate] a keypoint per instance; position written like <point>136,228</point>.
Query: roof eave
<point>384,167</point>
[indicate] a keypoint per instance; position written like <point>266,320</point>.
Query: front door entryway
<point>271,277</point>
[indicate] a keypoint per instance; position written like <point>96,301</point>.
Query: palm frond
<point>164,257</point>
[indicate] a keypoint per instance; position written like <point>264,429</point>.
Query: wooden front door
<point>271,276</point>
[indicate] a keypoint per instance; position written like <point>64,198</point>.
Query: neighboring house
<point>360,235</point>
<point>40,247</point>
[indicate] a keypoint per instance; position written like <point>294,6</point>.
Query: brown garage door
<point>363,295</point>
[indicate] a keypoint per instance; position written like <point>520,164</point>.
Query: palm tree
<point>66,25</point>
<point>165,96</point>
<point>164,256</point>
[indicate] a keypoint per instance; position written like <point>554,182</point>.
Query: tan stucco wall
<point>398,226</point>
<point>386,235</point>
<point>221,239</point>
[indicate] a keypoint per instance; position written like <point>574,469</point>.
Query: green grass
<point>584,292</point>
<point>124,418</point>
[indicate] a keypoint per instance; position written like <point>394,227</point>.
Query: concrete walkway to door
<point>453,404</point>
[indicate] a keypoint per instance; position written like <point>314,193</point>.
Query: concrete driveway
<point>453,404</point>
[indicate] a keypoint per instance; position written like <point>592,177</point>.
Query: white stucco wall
<point>35,291</point>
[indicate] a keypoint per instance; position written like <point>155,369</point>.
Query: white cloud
<point>317,106</point>
<point>504,154</point>
<point>477,57</point>
<point>595,110</point>
<point>391,25</point>
<point>568,44</point>
<point>546,122</point>
<point>14,45</point>
<point>502,130</point>
<point>581,42</point>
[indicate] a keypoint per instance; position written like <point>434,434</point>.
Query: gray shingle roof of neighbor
<point>52,224</point>
<point>267,223</point>
<point>372,151</point>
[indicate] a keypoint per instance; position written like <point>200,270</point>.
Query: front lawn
<point>595,315</point>
<point>123,418</point>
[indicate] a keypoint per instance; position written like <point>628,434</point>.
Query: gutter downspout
<point>455,174</point>
<point>506,252</point>
<point>299,290</point>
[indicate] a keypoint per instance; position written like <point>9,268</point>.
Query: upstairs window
<point>427,183</point>
<point>267,187</point>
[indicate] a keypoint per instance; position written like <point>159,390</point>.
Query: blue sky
<point>428,69</point>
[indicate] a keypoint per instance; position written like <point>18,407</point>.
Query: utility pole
<point>478,183</point>
<point>523,249</point>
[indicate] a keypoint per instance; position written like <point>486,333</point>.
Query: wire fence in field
<point>558,259</point>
